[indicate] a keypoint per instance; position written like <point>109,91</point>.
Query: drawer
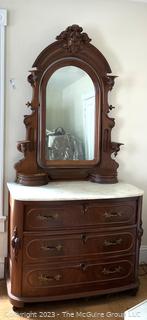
<point>41,217</point>
<point>48,248</point>
<point>112,212</point>
<point>101,213</point>
<point>76,277</point>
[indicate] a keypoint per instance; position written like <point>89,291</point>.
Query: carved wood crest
<point>73,38</point>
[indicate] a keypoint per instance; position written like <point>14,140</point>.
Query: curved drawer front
<point>109,213</point>
<point>48,281</point>
<point>43,248</point>
<point>45,217</point>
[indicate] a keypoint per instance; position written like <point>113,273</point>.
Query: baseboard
<point>143,254</point>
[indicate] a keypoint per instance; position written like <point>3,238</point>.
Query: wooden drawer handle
<point>112,271</point>
<point>59,247</point>
<point>48,217</point>
<point>112,214</point>
<point>108,243</point>
<point>47,278</point>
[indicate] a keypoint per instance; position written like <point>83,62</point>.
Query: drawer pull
<point>51,248</point>
<point>85,209</point>
<point>84,238</point>
<point>112,214</point>
<point>48,217</point>
<point>46,278</point>
<point>112,271</point>
<point>108,243</point>
<point>83,266</point>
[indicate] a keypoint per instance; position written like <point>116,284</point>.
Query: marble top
<point>73,190</point>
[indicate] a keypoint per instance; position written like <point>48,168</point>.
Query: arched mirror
<point>70,115</point>
<point>68,134</point>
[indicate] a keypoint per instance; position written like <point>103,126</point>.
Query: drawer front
<point>49,217</point>
<point>58,280</point>
<point>46,248</point>
<point>113,213</point>
<point>46,217</point>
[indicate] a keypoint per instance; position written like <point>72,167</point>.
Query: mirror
<point>70,115</point>
<point>68,133</point>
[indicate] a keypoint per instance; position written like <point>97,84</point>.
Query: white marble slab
<point>73,190</point>
<point>137,312</point>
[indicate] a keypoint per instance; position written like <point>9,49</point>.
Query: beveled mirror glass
<point>70,115</point>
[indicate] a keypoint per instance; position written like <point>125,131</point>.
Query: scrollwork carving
<point>110,108</point>
<point>115,147</point>
<point>23,146</point>
<point>140,232</point>
<point>33,77</point>
<point>73,38</point>
<point>109,80</point>
<point>15,243</point>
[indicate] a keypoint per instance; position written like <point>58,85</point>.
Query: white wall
<point>118,29</point>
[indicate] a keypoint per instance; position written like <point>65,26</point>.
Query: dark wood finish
<point>62,215</point>
<point>72,47</point>
<point>71,249</point>
<point>38,248</point>
<point>76,277</point>
<point>96,256</point>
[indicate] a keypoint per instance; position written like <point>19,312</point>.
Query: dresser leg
<point>17,305</point>
<point>134,291</point>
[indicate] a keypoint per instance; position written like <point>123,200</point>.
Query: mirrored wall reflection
<point>70,115</point>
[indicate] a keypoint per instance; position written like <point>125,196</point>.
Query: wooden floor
<point>104,307</point>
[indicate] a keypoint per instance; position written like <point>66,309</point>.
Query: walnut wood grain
<point>62,261</point>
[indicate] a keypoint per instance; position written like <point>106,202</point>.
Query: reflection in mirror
<point>70,115</point>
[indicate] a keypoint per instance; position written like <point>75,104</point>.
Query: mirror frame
<point>72,47</point>
<point>42,117</point>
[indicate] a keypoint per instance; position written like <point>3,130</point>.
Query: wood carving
<point>16,243</point>
<point>140,232</point>
<point>115,147</point>
<point>72,47</point>
<point>73,39</point>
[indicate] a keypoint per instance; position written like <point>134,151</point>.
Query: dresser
<point>74,230</point>
<point>72,239</point>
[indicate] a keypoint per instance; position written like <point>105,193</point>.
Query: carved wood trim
<point>15,243</point>
<point>73,39</point>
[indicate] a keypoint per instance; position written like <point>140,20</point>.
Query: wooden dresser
<point>72,239</point>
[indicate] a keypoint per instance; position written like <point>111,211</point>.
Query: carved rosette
<point>73,38</point>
